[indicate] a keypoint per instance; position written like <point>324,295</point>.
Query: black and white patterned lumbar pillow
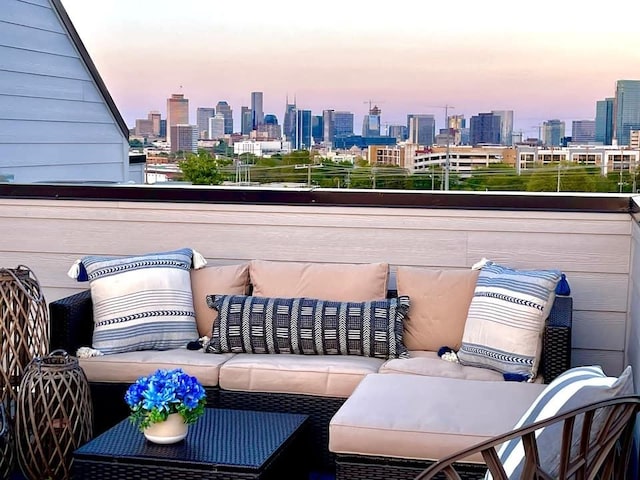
<point>308,326</point>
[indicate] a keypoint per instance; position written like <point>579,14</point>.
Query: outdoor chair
<point>591,442</point>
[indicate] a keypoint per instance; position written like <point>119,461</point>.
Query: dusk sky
<point>543,60</point>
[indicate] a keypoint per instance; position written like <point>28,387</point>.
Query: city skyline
<point>478,58</point>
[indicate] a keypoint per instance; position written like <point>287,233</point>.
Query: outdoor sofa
<point>317,382</point>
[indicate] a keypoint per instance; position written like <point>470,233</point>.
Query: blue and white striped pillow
<point>574,388</point>
<point>506,319</point>
<point>141,302</point>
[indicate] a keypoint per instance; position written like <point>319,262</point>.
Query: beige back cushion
<point>325,281</point>
<point>440,302</point>
<point>227,280</point>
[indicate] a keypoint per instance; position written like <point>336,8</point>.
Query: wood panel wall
<point>593,249</point>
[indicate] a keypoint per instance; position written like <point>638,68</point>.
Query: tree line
<point>300,167</point>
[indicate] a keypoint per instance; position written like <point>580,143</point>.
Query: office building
<point>371,123</point>
<point>215,129</point>
<point>604,121</point>
<point>303,139</point>
<point>421,129</point>
<point>144,128</point>
<point>583,131</point>
<point>552,133</point>
<point>317,129</point>
<point>343,124</point>
<point>485,129</point>
<point>289,123</point>
<point>226,111</point>
<point>328,127</point>
<point>245,121</point>
<point>399,132</point>
<point>626,110</point>
<point>270,129</point>
<point>203,114</point>
<point>177,113</point>
<point>257,112</point>
<point>163,128</point>
<point>154,116</point>
<point>184,138</point>
<point>506,126</point>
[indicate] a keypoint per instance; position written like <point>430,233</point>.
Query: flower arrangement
<point>151,399</point>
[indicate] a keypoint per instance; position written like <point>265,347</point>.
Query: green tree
<point>200,168</point>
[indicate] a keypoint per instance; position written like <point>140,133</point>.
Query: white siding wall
<point>54,123</point>
<point>592,249</point>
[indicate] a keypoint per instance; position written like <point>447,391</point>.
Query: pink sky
<point>545,60</point>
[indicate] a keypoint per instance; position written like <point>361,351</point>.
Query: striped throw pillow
<point>506,319</point>
<point>574,388</point>
<point>140,302</point>
<point>308,326</point>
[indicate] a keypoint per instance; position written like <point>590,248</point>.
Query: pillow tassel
<point>78,272</point>
<point>480,264</point>
<point>563,287</point>
<point>198,260</point>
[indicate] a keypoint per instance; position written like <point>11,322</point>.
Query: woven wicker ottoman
<point>222,445</point>
<point>394,425</point>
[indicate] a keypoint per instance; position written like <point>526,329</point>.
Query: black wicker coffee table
<point>222,445</point>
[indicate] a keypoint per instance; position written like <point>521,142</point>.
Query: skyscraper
<point>552,133</point>
<point>371,123</point>
<point>328,127</point>
<point>224,108</point>
<point>485,128</point>
<point>203,114</point>
<point>245,120</point>
<point>343,124</point>
<point>627,110</point>
<point>506,126</point>
<point>317,129</point>
<point>257,112</point>
<point>216,127</point>
<point>583,131</point>
<point>154,116</point>
<point>177,112</point>
<point>604,121</point>
<point>289,122</point>
<point>303,130</point>
<point>421,129</point>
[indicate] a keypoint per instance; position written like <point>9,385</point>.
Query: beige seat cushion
<point>324,375</point>
<point>128,367</point>
<point>430,364</point>
<point>440,302</point>
<point>226,279</point>
<point>427,418</point>
<point>326,281</point>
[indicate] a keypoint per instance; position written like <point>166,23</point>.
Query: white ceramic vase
<point>172,430</point>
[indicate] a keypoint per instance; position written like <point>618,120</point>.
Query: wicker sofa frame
<point>72,327</point>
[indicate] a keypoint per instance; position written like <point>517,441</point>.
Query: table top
<point>224,438</point>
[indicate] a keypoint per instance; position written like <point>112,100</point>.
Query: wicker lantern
<point>53,416</point>
<point>24,329</point>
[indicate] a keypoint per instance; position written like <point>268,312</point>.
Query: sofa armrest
<point>556,343</point>
<point>71,322</point>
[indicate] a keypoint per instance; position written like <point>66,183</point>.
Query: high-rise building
<point>328,127</point>
<point>399,132</point>
<point>553,133</point>
<point>421,129</point>
<point>343,124</point>
<point>177,113</point>
<point>154,116</point>
<point>224,108</point>
<point>203,114</point>
<point>289,123</point>
<point>144,127</point>
<point>626,110</point>
<point>270,127</point>
<point>303,139</point>
<point>216,127</point>
<point>184,138</point>
<point>506,126</point>
<point>604,121</point>
<point>371,123</point>
<point>163,128</point>
<point>317,129</point>
<point>583,131</point>
<point>485,128</point>
<point>257,112</point>
<point>245,120</point>
<point>457,125</point>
